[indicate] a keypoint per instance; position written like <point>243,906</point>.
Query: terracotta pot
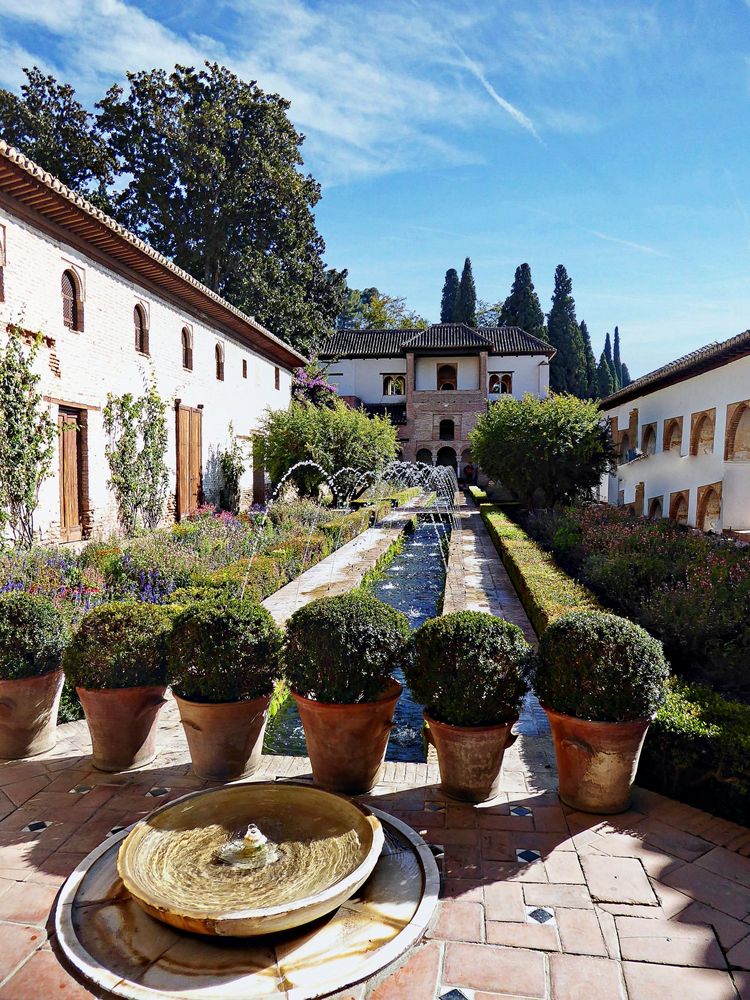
<point>347,743</point>
<point>28,715</point>
<point>596,761</point>
<point>122,723</point>
<point>470,757</point>
<point>225,739</point>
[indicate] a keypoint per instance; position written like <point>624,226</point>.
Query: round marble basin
<point>320,849</point>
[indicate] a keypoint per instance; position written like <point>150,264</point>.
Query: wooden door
<point>189,459</point>
<point>69,447</point>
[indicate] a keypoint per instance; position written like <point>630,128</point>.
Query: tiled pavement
<point>538,901</point>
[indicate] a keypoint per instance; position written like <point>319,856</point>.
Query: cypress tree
<point>522,307</point>
<point>604,378</point>
<point>568,367</point>
<point>592,379</point>
<point>450,293</point>
<point>617,360</point>
<point>466,300</point>
<point>626,379</point>
<point>610,360</point>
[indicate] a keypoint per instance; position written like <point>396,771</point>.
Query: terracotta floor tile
<point>25,902</point>
<point>564,867</point>
<point>728,929</point>
<point>17,941</point>
<point>609,932</point>
<point>458,921</point>
<point>706,887</point>
<point>665,942</point>
<point>462,862</point>
<point>511,871</point>
<point>742,982</point>
<point>463,889</point>
<point>673,841</point>
<point>461,816</point>
<point>727,864</point>
<point>513,824</point>
<point>513,971</point>
<point>21,791</point>
<point>518,935</point>
<point>580,933</point>
<point>43,976</point>
<point>549,819</point>
<point>739,956</point>
<point>504,901</point>
<point>575,976</point>
<point>418,977</point>
<point>573,896</point>
<point>617,880</point>
<point>656,862</point>
<point>667,982</point>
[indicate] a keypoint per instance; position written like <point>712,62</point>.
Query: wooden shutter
<point>189,460</point>
<point>69,446</point>
<point>69,300</point>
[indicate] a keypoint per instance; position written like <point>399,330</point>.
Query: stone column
<point>483,386</point>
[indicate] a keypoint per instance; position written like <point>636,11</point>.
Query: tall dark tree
<point>616,359</point>
<point>568,366</point>
<point>53,129</point>
<point>466,300</point>
<point>610,360</point>
<point>605,385</point>
<point>592,379</point>
<point>450,294</point>
<point>215,183</point>
<point>626,379</point>
<point>522,307</point>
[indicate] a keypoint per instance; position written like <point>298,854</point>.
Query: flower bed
<point>698,747</point>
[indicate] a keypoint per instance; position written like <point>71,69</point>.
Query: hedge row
<point>698,747</point>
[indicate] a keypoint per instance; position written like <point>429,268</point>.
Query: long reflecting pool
<point>413,583</point>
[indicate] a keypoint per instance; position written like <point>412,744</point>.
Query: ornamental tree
<point>547,452</point>
<point>465,310</point>
<point>522,307</point>
<point>448,299</point>
<point>27,438</point>
<point>335,437</point>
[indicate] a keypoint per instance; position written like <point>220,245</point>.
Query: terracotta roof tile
<point>439,336</point>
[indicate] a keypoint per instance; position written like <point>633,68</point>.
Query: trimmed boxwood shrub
<point>223,650</point>
<point>343,649</point>
<point>600,667</point>
<point>120,645</point>
<point>33,634</point>
<point>468,667</point>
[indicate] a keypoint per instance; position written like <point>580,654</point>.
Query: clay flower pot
<point>596,761</point>
<point>347,743</point>
<point>122,723</point>
<point>225,739</point>
<point>28,715</point>
<point>470,757</point>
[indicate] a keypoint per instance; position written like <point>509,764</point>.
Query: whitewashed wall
<point>102,358</point>
<point>666,473</point>
<point>363,377</point>
<point>530,373</point>
<point>426,372</point>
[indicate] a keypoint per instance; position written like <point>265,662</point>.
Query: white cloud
<point>518,116</point>
<point>640,247</point>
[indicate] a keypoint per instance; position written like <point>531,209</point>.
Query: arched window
<point>678,508</point>
<point>655,509</point>
<point>447,456</point>
<point>673,436</point>
<point>72,305</point>
<point>702,436</point>
<point>506,383</point>
<point>447,377</point>
<point>494,384</point>
<point>447,430</point>
<point>709,510</point>
<point>187,349</point>
<point>424,455</point>
<point>738,435</point>
<point>624,449</point>
<point>219,351</point>
<point>141,330</point>
<point>649,439</point>
<point>393,385</point>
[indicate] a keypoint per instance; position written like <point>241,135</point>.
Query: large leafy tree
<point>214,182</point>
<point>370,309</point>
<point>568,366</point>
<point>522,307</point>
<point>466,299</point>
<point>449,296</point>
<point>546,451</point>
<point>335,437</point>
<point>48,124</point>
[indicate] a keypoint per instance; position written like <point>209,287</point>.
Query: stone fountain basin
<point>329,848</point>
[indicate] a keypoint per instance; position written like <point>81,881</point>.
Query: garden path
<point>538,901</point>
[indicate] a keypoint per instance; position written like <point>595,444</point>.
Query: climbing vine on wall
<point>135,450</point>
<point>27,438</point>
<point>231,468</point>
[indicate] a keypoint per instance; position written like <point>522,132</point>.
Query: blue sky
<point>611,137</point>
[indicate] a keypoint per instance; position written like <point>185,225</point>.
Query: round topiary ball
<point>33,634</point>
<point>223,650</point>
<point>120,645</point>
<point>342,650</point>
<point>468,668</point>
<point>600,667</point>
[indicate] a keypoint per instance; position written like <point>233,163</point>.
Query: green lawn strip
<point>698,747</point>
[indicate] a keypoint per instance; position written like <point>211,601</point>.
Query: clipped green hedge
<point>698,746</point>
<point>547,592</point>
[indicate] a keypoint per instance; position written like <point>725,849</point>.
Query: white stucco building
<point>683,437</point>
<point>114,314</point>
<point>435,383</point>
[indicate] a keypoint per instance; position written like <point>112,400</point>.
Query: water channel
<point>413,582</point>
